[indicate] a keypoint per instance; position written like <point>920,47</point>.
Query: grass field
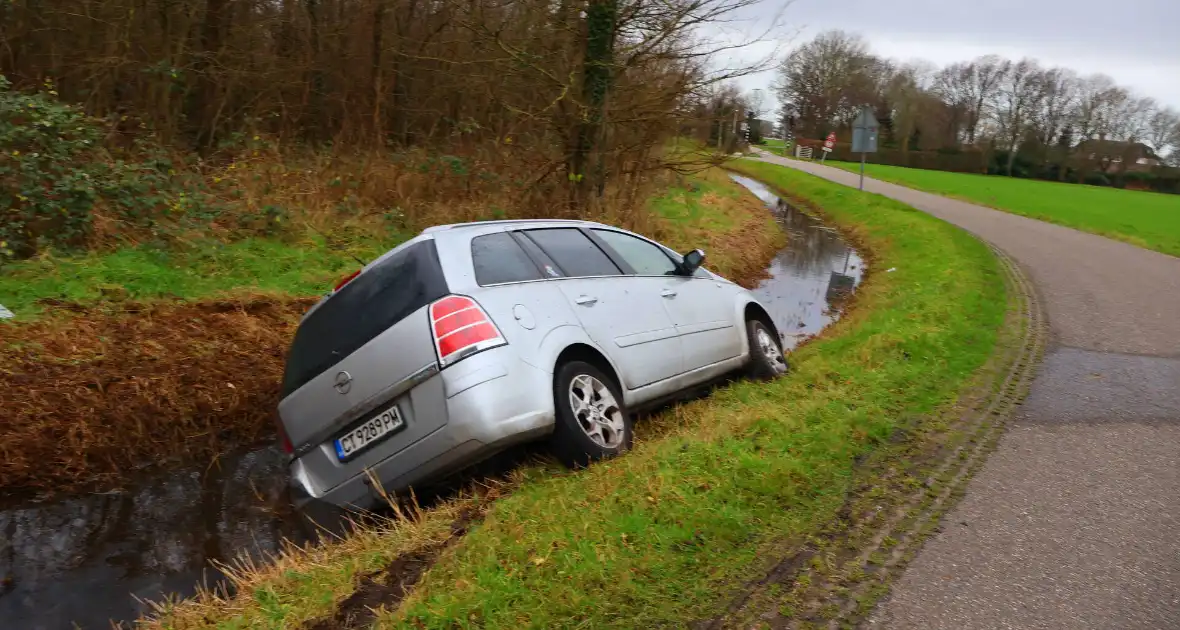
<point>1145,219</point>
<point>665,535</point>
<point>775,145</point>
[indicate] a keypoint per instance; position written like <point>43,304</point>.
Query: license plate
<point>369,433</point>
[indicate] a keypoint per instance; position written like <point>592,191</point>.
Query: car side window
<point>548,268</point>
<point>574,252</point>
<point>646,259</point>
<point>498,259</point>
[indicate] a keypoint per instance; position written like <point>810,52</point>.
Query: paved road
<point>1074,521</point>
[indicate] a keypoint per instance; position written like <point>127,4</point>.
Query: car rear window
<point>363,309</point>
<point>498,259</point>
<point>574,252</point>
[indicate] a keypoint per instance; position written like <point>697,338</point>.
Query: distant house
<point>1113,155</point>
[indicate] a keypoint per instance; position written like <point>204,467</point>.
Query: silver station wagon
<point>471,338</point>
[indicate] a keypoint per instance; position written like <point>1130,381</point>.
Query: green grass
<point>1145,219</point>
<point>210,268</point>
<point>667,534</point>
<point>775,145</point>
<point>710,211</point>
<point>692,214</point>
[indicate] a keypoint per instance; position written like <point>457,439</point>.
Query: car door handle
<point>668,293</point>
<point>586,300</point>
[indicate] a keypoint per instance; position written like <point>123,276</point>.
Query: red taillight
<point>346,279</point>
<point>461,328</point>
<point>285,441</point>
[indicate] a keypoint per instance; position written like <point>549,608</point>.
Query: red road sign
<point>831,141</point>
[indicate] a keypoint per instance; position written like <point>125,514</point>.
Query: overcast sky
<point>1137,42</point>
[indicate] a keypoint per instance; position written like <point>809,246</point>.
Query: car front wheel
<point>591,423</point>
<point>766,353</point>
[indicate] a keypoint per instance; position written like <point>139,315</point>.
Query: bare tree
<point>1059,91</point>
<point>1164,132</point>
<point>824,81</point>
<point>1019,94</point>
<point>980,82</point>
<point>756,101</point>
<point>907,103</point>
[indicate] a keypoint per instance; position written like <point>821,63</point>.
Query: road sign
<point>864,137</point>
<point>864,132</point>
<point>830,142</point>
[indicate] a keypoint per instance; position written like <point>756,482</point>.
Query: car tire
<point>592,422</point>
<point>767,361</point>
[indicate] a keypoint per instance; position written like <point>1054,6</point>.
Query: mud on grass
<point>343,583</point>
<point>95,395</point>
<point>387,587</point>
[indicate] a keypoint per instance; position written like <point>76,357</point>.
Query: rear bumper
<point>493,402</point>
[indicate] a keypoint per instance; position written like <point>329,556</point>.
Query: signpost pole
<point>862,170</point>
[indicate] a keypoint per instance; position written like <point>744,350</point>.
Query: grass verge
<point>1145,219</point>
<point>667,534</point>
<point>139,357</point>
<point>203,270</point>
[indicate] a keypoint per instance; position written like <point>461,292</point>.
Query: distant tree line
<point>1023,118</point>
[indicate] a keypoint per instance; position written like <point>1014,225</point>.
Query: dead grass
<point>709,211</point>
<point>92,397</point>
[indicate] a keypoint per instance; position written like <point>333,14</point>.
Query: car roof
<point>508,224</point>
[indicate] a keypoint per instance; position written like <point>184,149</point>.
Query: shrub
<point>55,175</point>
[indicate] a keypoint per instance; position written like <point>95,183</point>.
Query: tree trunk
<point>399,121</point>
<point>203,105</point>
<point>585,165</point>
<point>316,84</point>
<point>375,72</point>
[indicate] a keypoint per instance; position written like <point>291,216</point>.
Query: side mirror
<point>692,261</point>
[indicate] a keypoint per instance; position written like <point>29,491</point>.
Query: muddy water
<point>87,559</point>
<point>91,559</point>
<point>811,277</point>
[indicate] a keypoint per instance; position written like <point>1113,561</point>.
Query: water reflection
<point>811,276</point>
<point>86,560</point>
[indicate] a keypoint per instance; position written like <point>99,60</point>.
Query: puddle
<point>88,560</point>
<point>84,560</point>
<point>811,276</point>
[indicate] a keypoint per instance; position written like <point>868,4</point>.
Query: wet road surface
<point>89,560</point>
<point>1073,522</point>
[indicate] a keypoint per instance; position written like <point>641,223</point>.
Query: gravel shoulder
<point>1071,522</point>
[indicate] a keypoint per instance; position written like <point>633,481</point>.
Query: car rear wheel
<point>766,353</point>
<point>591,422</point>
